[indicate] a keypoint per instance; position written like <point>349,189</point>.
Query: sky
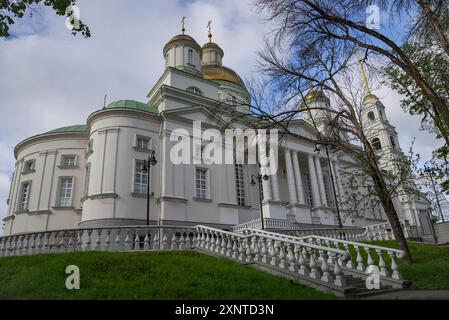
<point>50,79</point>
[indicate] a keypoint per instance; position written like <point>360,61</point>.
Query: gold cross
<point>183,26</point>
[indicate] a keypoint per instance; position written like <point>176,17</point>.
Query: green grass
<point>430,267</point>
<point>152,275</point>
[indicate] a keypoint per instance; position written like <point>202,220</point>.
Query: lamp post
<point>147,164</point>
<point>430,171</point>
<point>337,208</point>
<point>259,178</point>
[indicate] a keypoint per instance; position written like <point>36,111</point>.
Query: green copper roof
<point>132,104</point>
<point>76,128</point>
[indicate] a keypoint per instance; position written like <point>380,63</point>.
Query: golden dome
<point>181,38</point>
<point>217,72</point>
<point>213,45</point>
<point>314,94</point>
<point>370,96</point>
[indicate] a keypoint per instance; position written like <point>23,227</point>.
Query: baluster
<point>188,244</point>
<point>136,245</point>
<point>88,246</point>
<point>156,240</point>
<point>71,243</point>
<point>326,277</point>
<point>208,236</point>
<point>273,253</point>
<point>182,241</point>
<point>2,246</point>
<point>228,246</point>
<point>26,244</point>
<point>164,241</point>
<point>62,243</point>
<point>339,278</point>
<point>174,241</point>
<point>314,272</point>
<point>382,264</point>
<point>370,260</point>
<point>117,240</point>
<point>248,253</point>
<point>241,250</point>
<point>303,267</point>
<point>146,240</point>
<point>359,259</point>
<point>19,245</point>
<point>292,264</point>
<point>282,257</point>
<point>223,244</point>
<point>127,241</point>
<point>256,248</point>
<point>394,267</point>
<point>218,243</point>
<point>235,248</point>
<point>107,240</point>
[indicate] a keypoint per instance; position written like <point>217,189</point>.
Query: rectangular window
<point>68,160</point>
<point>86,180</point>
<point>142,143</point>
<point>200,183</point>
<point>308,190</point>
<point>28,166</point>
<point>240,184</point>
<point>140,178</point>
<point>24,196</point>
<point>65,192</point>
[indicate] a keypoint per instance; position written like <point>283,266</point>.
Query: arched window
<point>376,144</point>
<point>381,115</point>
<point>393,143</point>
<point>194,90</point>
<point>190,56</point>
<point>371,116</point>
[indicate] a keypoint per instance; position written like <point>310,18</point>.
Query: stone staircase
<point>330,265</point>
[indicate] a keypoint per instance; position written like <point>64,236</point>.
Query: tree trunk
<point>390,211</point>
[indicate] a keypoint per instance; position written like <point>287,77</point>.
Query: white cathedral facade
<point>93,174</point>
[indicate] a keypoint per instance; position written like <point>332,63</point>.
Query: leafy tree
<point>13,10</point>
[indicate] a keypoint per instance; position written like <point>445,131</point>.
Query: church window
<point>28,166</point>
<point>24,196</point>
<point>200,183</point>
<point>86,180</point>
<point>190,56</point>
<point>140,178</point>
<point>371,116</point>
<point>65,188</point>
<point>393,143</point>
<point>308,189</point>
<point>142,143</point>
<point>376,144</point>
<point>194,90</point>
<point>381,114</point>
<point>240,184</point>
<point>68,160</point>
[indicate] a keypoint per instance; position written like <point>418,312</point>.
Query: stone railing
<point>311,261</point>
<point>365,256</point>
<point>98,239</point>
<point>296,229</point>
<point>383,231</point>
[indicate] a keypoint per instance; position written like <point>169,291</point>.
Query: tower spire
<point>362,68</point>
<point>183,24</point>
<point>209,26</point>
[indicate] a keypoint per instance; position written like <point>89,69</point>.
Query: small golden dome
<point>314,94</point>
<point>213,45</point>
<point>370,96</point>
<point>216,72</point>
<point>181,38</point>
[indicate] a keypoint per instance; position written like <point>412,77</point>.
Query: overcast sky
<point>49,79</point>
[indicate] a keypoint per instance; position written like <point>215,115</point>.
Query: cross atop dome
<point>183,25</point>
<point>209,26</point>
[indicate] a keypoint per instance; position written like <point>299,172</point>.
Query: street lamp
<point>430,171</point>
<point>147,164</point>
<point>259,178</point>
<point>337,208</point>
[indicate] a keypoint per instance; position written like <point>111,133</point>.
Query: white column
<point>316,202</point>
<point>290,177</point>
<point>320,178</point>
<point>298,178</point>
<point>275,186</point>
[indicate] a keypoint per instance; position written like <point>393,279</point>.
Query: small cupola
<point>212,53</point>
<point>183,52</point>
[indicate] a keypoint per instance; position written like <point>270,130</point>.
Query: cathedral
<point>98,174</point>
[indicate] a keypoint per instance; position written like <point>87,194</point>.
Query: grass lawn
<point>150,275</point>
<point>430,267</point>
